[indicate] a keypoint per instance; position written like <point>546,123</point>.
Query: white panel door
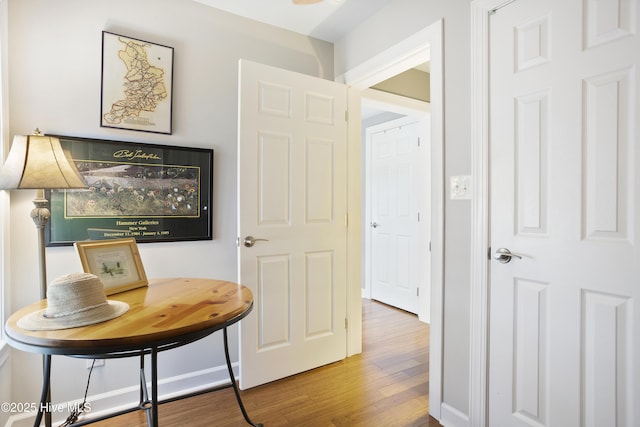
<point>399,162</point>
<point>564,314</point>
<point>292,198</point>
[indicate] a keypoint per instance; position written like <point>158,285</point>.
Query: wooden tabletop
<point>165,312</point>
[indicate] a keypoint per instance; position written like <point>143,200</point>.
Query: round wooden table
<point>168,313</point>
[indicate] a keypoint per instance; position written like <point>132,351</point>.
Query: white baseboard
<point>451,417</point>
<point>117,400</point>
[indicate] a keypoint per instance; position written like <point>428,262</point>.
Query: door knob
<point>375,225</point>
<point>249,241</point>
<point>504,255</point>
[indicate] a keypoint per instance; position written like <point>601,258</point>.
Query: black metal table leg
<point>45,397</point>
<point>144,393</point>
<point>143,384</point>
<point>154,386</point>
<point>233,381</point>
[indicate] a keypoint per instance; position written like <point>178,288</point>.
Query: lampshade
<point>38,162</point>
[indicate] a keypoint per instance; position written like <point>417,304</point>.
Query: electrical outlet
<point>460,187</point>
<point>99,362</point>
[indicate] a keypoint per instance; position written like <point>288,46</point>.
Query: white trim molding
<point>5,271</point>
<point>452,417</point>
<point>407,54</point>
<point>478,387</point>
<point>436,331</point>
<point>112,401</point>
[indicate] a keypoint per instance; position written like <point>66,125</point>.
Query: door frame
<point>481,10</point>
<point>426,43</point>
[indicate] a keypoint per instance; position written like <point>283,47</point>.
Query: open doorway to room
<point>426,46</point>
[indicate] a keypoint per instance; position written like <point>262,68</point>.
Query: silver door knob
<point>504,255</point>
<point>249,241</point>
<point>375,225</point>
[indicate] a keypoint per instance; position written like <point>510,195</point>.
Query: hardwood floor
<point>387,385</point>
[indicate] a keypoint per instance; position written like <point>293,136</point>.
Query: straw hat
<point>73,300</point>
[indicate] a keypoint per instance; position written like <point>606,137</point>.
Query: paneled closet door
<point>564,305</point>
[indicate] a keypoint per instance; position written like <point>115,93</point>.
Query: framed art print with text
<point>146,191</point>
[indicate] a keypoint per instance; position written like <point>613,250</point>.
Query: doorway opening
<point>396,146</point>
<point>424,45</point>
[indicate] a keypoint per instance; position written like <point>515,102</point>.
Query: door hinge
<point>346,220</point>
<point>417,292</point>
<point>418,216</point>
<point>346,115</point>
<point>418,141</point>
<point>346,323</point>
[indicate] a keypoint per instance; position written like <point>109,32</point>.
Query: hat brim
<point>37,321</point>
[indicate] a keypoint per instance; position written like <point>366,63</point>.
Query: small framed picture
<point>116,262</point>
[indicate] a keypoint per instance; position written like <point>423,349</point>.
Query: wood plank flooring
<point>385,386</point>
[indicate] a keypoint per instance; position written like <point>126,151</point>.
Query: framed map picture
<point>137,84</point>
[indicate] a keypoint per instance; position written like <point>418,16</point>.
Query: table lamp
<point>39,162</point>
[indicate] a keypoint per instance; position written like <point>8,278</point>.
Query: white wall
<point>397,21</point>
<point>54,78</point>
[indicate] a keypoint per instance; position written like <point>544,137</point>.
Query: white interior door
<point>564,314</point>
<point>399,211</point>
<point>292,193</point>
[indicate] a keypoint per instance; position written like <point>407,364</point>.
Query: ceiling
<point>328,20</point>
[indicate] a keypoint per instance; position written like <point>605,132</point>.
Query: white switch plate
<point>461,187</point>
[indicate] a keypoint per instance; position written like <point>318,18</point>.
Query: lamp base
<point>40,215</point>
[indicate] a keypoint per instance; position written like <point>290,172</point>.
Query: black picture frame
<point>151,192</point>
<point>136,84</point>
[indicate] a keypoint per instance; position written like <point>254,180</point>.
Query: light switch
<point>460,187</point>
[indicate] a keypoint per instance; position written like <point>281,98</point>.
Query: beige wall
<point>411,84</point>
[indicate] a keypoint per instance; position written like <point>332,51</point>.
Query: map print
<point>137,77</point>
<point>143,86</point>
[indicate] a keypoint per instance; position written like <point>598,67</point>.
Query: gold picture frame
<point>116,262</point>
